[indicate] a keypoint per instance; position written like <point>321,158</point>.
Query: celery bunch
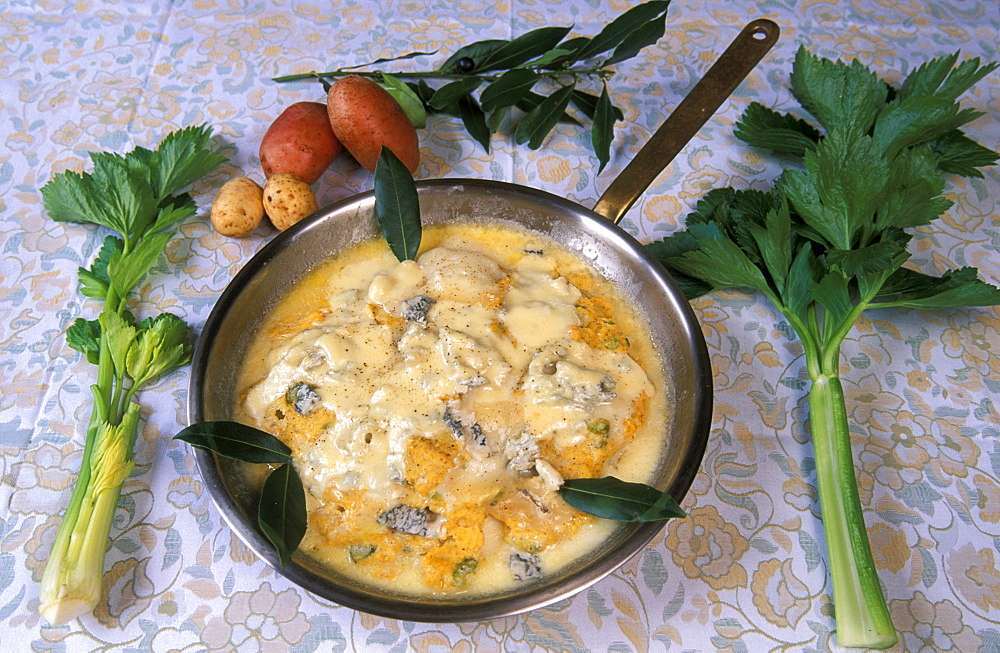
<point>133,195</point>
<point>828,242</point>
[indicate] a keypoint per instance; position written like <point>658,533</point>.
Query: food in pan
<point>435,406</point>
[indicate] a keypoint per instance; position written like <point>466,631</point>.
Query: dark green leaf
<point>84,336</point>
<point>620,28</point>
<point>475,121</point>
<point>397,207</point>
<point>796,294</point>
<point>538,122</point>
<point>962,287</point>
<point>602,132</point>
<point>880,256</point>
<point>479,52</point>
<point>281,514</point>
<point>531,100</point>
<point>912,196</point>
<point>647,34</point>
<point>612,498</point>
<point>422,90</point>
<point>236,441</point>
<point>957,154</point>
<point>833,292</point>
<point>667,250</point>
<point>543,61</point>
<point>840,188</point>
<point>783,133</point>
<point>572,47</point>
<point>918,120</point>
<point>941,78</point>
<point>839,95</point>
<point>720,262</point>
<point>524,48</point>
<point>496,118</point>
<point>508,89</point>
<point>587,104</point>
<point>774,240</point>
<point>449,94</point>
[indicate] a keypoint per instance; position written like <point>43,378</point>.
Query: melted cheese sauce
<point>435,406</point>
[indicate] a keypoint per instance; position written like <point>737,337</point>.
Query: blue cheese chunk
<point>416,309</point>
<point>525,566</point>
<point>407,519</point>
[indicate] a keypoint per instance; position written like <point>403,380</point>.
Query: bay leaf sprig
<point>281,510</point>
<point>612,498</point>
<point>542,74</point>
<point>397,206</point>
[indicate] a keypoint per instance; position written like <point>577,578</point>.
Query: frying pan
<point>592,234</point>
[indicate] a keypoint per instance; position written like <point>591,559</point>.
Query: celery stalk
<point>829,241</point>
<point>133,195</point>
<point>862,615</point>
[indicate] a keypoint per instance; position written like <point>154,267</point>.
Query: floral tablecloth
<point>745,571</point>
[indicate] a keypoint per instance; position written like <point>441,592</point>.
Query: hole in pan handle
<point>731,68</point>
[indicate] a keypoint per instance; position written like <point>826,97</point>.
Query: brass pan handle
<point>746,50</point>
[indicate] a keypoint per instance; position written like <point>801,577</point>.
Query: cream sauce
<point>434,406</point>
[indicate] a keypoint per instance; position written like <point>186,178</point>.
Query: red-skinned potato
<point>365,117</point>
<point>300,142</point>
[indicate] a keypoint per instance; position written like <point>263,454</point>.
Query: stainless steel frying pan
<point>593,234</point>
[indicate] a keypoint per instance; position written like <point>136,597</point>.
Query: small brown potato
<point>365,117</point>
<point>288,199</point>
<point>238,207</point>
<point>301,142</point>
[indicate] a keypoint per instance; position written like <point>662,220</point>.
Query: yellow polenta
<point>435,406</point>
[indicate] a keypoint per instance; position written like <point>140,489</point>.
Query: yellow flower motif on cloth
<point>975,339</point>
<point>229,44</point>
<point>436,33</point>
<point>867,45</point>
<point>261,619</point>
<point>918,380</point>
<point>868,395</point>
<point>14,30</point>
<point>713,318</point>
<point>556,170</point>
<point>889,547</point>
<point>928,627</point>
<point>780,597</point>
<point>706,546</point>
<point>975,576</point>
<point>702,180</point>
<point>989,498</point>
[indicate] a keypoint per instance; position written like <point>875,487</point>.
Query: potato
<point>301,142</point>
<point>238,207</point>
<point>287,199</point>
<point>365,117</point>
